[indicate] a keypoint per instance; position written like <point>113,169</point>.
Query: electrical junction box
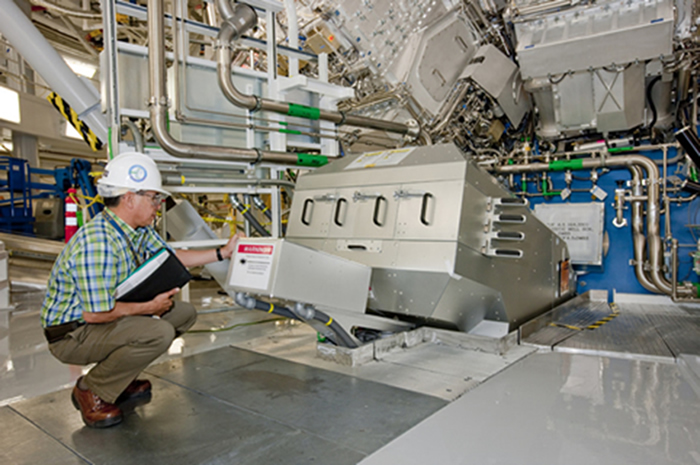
<point>277,268</point>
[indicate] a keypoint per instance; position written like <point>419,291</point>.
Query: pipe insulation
<point>46,61</point>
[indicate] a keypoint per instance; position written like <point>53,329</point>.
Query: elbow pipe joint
<point>245,300</point>
<point>305,312</point>
<point>237,20</point>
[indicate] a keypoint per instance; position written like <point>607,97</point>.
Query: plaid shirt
<point>91,266</point>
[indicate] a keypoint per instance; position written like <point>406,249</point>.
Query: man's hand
<point>163,302</point>
<point>230,247</point>
<point>159,305</point>
<point>191,258</point>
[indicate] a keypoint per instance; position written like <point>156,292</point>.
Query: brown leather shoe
<point>96,412</point>
<point>138,390</point>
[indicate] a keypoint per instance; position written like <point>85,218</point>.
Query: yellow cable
<point>272,307</point>
<point>330,320</point>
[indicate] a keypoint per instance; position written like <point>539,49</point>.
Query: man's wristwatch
<point>218,254</point>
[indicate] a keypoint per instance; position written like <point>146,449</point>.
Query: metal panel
<point>581,225</point>
<point>597,36</point>
<point>499,76</point>
<point>553,409</point>
<point>312,211</point>
<point>447,51</point>
<point>365,415</point>
<point>22,442</point>
<point>450,258</point>
<point>196,427</point>
<point>628,335</point>
<point>281,269</point>
<point>429,211</point>
<point>573,97</point>
<point>364,212</point>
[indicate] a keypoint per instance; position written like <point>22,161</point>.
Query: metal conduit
<point>67,11</point>
<point>159,106</point>
<point>638,238</point>
<point>229,32</point>
<point>179,180</point>
<point>653,240</point>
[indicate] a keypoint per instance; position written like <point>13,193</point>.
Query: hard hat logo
<point>131,171</point>
<point>137,173</point>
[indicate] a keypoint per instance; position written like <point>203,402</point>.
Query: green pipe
<point>561,165</point>
<point>303,111</point>
<point>307,159</point>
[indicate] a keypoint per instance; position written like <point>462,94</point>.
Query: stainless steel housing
<point>446,243</point>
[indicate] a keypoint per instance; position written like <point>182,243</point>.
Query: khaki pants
<point>123,348</point>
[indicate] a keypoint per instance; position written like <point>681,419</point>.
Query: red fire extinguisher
<point>71,209</point>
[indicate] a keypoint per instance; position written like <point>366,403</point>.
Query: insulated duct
<point>240,14</point>
<point>46,61</point>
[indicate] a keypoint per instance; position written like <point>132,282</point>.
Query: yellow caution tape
<point>272,307</point>
<point>72,117</point>
<point>562,325</point>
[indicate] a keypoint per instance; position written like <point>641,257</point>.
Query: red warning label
<point>255,249</point>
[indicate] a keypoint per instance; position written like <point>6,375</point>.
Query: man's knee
<point>154,333</point>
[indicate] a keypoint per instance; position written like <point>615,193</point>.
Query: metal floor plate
<point>554,409</point>
<point>658,331</point>
<point>234,406</point>
<point>21,442</point>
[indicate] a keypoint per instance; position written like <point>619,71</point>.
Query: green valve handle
<point>561,165</point>
<point>306,159</point>
<point>303,111</point>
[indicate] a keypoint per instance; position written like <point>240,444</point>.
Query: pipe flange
<point>413,130</point>
<point>343,118</point>
<point>260,156</point>
<point>258,104</point>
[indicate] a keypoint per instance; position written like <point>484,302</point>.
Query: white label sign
<point>383,158</point>
<point>252,266</point>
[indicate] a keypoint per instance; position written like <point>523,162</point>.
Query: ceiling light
<point>80,67</point>
<point>9,105</point>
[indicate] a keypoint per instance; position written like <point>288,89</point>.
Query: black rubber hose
<point>650,101</point>
<point>260,205</point>
<point>343,338</point>
<point>248,215</point>
<point>271,308</point>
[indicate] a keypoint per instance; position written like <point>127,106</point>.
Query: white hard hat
<point>131,171</point>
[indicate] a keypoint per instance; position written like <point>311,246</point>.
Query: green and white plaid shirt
<point>91,266</point>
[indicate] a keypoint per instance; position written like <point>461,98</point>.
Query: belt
<point>58,332</point>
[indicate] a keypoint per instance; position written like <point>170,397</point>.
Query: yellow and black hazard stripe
<point>615,312</point>
<point>72,117</point>
<point>596,325</point>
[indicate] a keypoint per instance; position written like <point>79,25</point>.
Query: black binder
<point>160,273</point>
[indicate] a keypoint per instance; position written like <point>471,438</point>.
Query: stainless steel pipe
<point>159,106</point>
<point>228,33</point>
<point>653,239</point>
